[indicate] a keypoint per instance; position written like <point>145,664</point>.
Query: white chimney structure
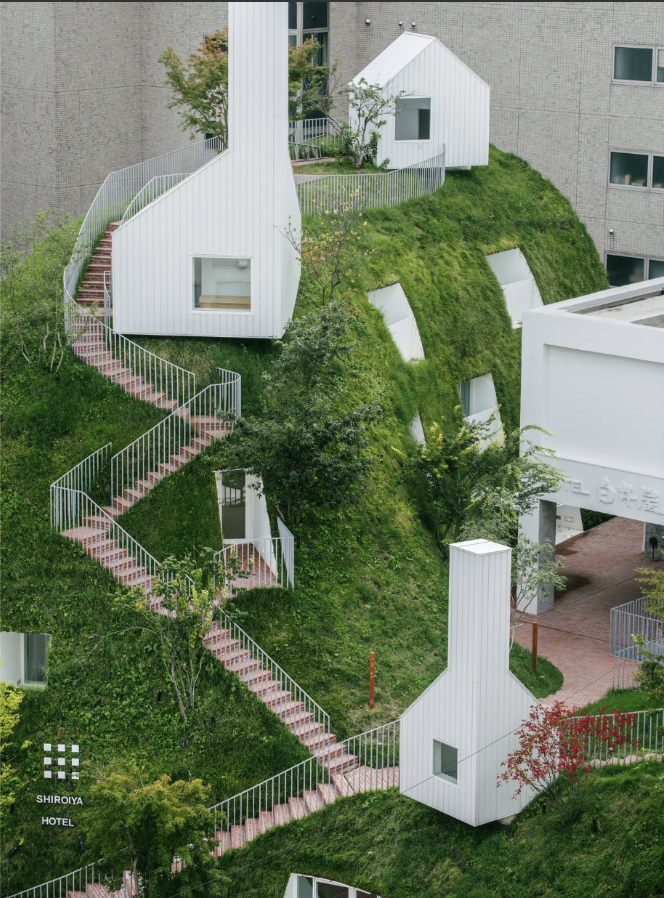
<point>456,735</point>
<point>208,257</point>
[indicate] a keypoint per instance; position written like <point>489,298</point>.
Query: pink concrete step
<point>265,821</point>
<point>298,808</point>
<point>281,814</point>
<point>237,836</point>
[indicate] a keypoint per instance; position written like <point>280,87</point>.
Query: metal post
<point>372,665</point>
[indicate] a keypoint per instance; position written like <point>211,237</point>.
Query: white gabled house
<point>457,734</point>
<point>445,106</point>
<point>207,258</point>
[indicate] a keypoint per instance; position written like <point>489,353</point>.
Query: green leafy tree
<point>650,675</point>
<point>190,591</point>
<point>328,253</point>
<point>371,103</point>
<point>309,444</point>
<point>472,481</point>
<point>10,702</point>
<point>199,86</point>
<point>32,294</point>
<point>141,826</point>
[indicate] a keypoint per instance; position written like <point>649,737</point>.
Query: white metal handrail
<point>288,548</point>
<point>231,637</point>
<point>368,189</point>
<point>80,477</point>
<point>108,299</point>
<point>265,563</point>
<point>646,738</point>
<point>371,760</point>
<point>207,416</point>
<point>80,519</point>
<point>154,188</point>
<point>629,620</point>
<point>141,372</point>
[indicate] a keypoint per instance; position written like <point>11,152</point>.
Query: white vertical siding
<point>476,704</point>
<point>234,206</point>
<point>459,110</point>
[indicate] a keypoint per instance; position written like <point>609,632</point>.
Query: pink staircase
<point>90,293</point>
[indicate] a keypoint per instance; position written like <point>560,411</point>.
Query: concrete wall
<point>549,66</point>
<point>83,94</point>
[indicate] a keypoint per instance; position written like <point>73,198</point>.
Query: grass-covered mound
<point>107,689</point>
<point>369,576</point>
<point>392,846</point>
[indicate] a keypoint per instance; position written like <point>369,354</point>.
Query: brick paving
<point>574,634</point>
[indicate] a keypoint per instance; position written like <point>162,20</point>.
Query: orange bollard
<point>372,665</point>
<point>534,650</point>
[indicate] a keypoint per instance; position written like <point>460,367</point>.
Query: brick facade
<point>96,99</point>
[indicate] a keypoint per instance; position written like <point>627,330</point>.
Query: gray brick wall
<point>82,93</point>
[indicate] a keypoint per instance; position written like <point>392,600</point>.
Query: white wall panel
<point>476,704</point>
<point>234,206</point>
<point>459,108</point>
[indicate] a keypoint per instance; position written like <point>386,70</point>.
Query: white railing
<point>80,478</point>
<point>108,299</point>
<point>150,192</point>
<point>79,518</point>
<point>368,190</point>
<point>629,620</point>
<point>91,880</point>
<point>206,417</point>
<point>288,547</point>
<point>230,637</point>
<point>264,562</point>
<point>141,372</point>
<point>646,738</point>
<point>372,759</point>
<point>225,376</point>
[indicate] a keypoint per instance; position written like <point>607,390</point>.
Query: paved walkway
<point>574,634</point>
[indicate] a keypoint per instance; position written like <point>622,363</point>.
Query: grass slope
<point>369,577</point>
<point>387,844</point>
<point>106,687</point>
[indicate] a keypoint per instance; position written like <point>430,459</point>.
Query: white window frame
<point>653,74</point>
<point>649,259</point>
<point>33,684</point>
<point>451,780</point>
<point>249,311</point>
<point>415,139</point>
<point>647,187</point>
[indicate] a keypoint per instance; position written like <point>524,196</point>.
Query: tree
<point>370,104</point>
<point>33,308</point>
<point>309,444</point>
<point>557,751</point>
<point>473,482</point>
<point>142,826</point>
<point>189,592</point>
<point>10,702</point>
<point>328,253</point>
<point>650,675</point>
<point>200,85</point>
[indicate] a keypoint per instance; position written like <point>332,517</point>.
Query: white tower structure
<point>207,258</point>
<point>456,735</point>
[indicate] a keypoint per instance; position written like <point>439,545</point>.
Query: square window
<point>36,652</point>
<point>660,66</point>
<point>61,774</point>
<point>47,746</point>
<point>48,761</point>
<point>658,172</point>
<point>656,268</point>
<point>445,761</point>
<point>222,284</point>
<point>629,169</point>
<point>292,16</point>
<point>305,887</point>
<point>624,270</point>
<point>314,15</point>
<point>74,748</point>
<point>412,118</point>
<point>633,64</point>
<point>61,762</point>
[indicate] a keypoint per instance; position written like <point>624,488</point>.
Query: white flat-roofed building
<point>593,378</point>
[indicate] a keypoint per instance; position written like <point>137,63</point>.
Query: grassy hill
<point>368,577</point>
<point>387,844</point>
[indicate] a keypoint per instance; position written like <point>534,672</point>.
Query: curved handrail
<point>150,192</point>
<point>370,189</point>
